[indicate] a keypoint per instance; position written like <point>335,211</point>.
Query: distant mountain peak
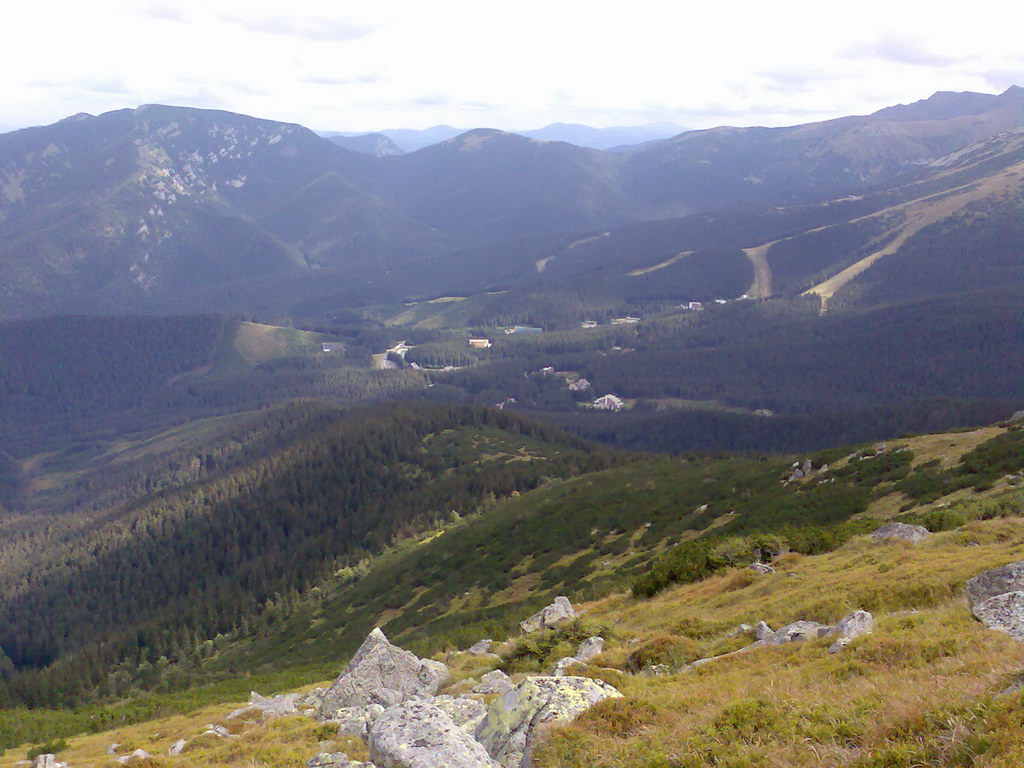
<point>77,117</point>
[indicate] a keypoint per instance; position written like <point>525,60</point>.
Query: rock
<point>177,747</point>
<point>742,629</point>
<point>22,764</point>
<point>355,721</point>
<point>480,648</point>
<point>793,633</point>
<point>762,631</point>
<point>112,749</point>
<point>656,670</point>
<point>590,648</point>
<point>559,611</point>
<point>562,665</point>
<point>1004,613</point>
<point>417,734</point>
<point>514,721</point>
<point>384,674</point>
<point>763,568</point>
<point>997,581</point>
<point>269,706</point>
<point>311,700</point>
<point>138,754</point>
<point>850,626</point>
<point>807,467</point>
<point>913,534</point>
<point>1012,688</point>
<point>1018,416</point>
<point>494,682</point>
<point>467,713</point>
<point>335,760</point>
<point>49,761</point>
<point>216,730</point>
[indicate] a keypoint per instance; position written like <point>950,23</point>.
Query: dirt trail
<point>762,285</point>
<point>919,214</point>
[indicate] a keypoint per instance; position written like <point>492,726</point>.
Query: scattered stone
<point>217,730</point>
<point>269,706</point>
<point>762,631</point>
<point>355,721</point>
<point>384,674</point>
<point>494,682</point>
<point>480,648</point>
<point>913,534</point>
<point>562,665</point>
<point>793,633</point>
<point>762,568</point>
<point>997,581</point>
<point>112,749</point>
<point>590,648</point>
<point>656,670</point>
<point>177,747</point>
<point>559,611</point>
<point>742,629</point>
<point>996,598</point>
<point>138,754</point>
<point>49,761</point>
<point>417,734</point>
<point>850,626</point>
<point>514,721</point>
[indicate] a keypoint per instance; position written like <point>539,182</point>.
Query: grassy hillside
<point>920,690</point>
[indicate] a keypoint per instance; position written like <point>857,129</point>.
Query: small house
<point>695,306</point>
<point>480,343</point>
<point>608,403</point>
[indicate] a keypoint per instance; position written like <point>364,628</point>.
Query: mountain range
<point>141,210</point>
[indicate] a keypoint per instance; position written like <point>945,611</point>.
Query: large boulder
<point>514,721</point>
<point>465,711</point>
<point>559,611</point>
<point>417,734</point>
<point>480,648</point>
<point>47,761</point>
<point>590,648</point>
<point>335,760</point>
<point>356,721</point>
<point>796,632</point>
<point>997,581</point>
<point>384,674</point>
<point>914,534</point>
<point>495,681</point>
<point>849,627</point>
<point>996,598</point>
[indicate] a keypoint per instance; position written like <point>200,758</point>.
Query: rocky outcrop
<point>177,747</point>
<point>47,761</point>
<point>849,627</point>
<point>383,674</point>
<point>762,568</point>
<point>590,648</point>
<point>138,754</point>
<point>996,598</point>
<point>355,721</point>
<point>514,721</point>
<point>914,534</point>
<point>417,734</point>
<point>762,631</point>
<point>559,611</point>
<point>465,712</point>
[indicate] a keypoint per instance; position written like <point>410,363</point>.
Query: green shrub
<point>49,748</point>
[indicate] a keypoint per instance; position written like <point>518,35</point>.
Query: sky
<point>382,64</point>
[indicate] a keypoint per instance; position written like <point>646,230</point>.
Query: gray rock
<point>311,700</point>
<point>494,682</point>
<point>850,626</point>
<point>384,674</point>
<point>48,761</point>
<point>22,764</point>
<point>355,721</point>
<point>762,568</point>
<point>742,629</point>
<point>514,721</point>
<point>1018,416</point>
<point>467,713</point>
<point>794,633</point>
<point>997,581</point>
<point>480,648</point>
<point>590,648</point>
<point>217,730</point>
<point>335,760</point>
<point>269,707</point>
<point>138,754</point>
<point>562,665</point>
<point>559,611</point>
<point>112,749</point>
<point>417,734</point>
<point>656,670</point>
<point>762,631</point>
<point>177,747</point>
<point>1003,612</point>
<point>913,534</point>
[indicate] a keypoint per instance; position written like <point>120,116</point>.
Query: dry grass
<point>916,692</point>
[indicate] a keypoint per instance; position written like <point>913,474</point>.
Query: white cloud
<point>407,63</point>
